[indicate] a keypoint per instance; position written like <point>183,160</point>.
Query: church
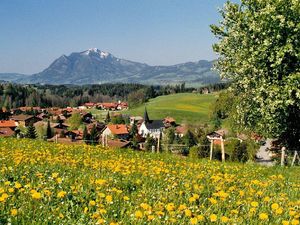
<point>152,127</point>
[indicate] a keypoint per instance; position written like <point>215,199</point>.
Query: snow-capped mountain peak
<point>97,51</point>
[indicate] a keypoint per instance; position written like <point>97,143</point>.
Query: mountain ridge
<point>94,66</point>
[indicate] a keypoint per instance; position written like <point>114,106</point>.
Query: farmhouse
<point>6,132</point>
<point>152,127</point>
<point>25,120</point>
<point>120,131</point>
<point>8,124</point>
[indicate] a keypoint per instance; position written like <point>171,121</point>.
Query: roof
<point>146,116</point>
<point>118,128</point>
<point>169,120</point>
<point>181,129</point>
<point>89,104</point>
<point>28,108</point>
<point>154,124</point>
<point>8,123</point>
<point>6,132</point>
<point>117,143</point>
<point>21,117</point>
<point>108,104</point>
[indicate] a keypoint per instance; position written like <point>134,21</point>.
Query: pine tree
<point>94,136</point>
<point>85,135</point>
<point>31,132</point>
<point>189,139</point>
<point>49,131</point>
<point>133,130</point>
<point>107,119</point>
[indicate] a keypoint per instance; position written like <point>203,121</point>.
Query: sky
<point>33,33</point>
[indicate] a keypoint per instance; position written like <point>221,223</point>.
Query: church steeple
<point>146,117</point>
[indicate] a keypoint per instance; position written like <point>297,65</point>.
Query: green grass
<point>184,107</point>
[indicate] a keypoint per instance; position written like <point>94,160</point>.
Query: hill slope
<point>47,183</point>
<point>94,66</point>
<point>12,77</point>
<point>184,107</point>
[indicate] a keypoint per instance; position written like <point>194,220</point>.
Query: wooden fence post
<point>223,149</point>
<point>211,149</point>
<point>282,155</point>
<point>296,155</point>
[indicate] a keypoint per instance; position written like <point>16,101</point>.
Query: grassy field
<point>47,183</point>
<point>185,107</point>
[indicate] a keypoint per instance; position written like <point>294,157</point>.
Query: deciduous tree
<point>259,50</point>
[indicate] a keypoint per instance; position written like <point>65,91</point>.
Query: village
<point>118,130</point>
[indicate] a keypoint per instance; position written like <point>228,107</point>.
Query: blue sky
<point>158,32</point>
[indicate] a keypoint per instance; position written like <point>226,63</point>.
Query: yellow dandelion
<point>263,216</point>
<point>200,217</point>
<point>194,220</point>
<point>274,206</point>
<point>170,206</point>
<point>150,217</point>
<point>254,204</point>
<point>92,203</point>
<point>213,218</point>
<point>36,195</point>
<point>100,221</point>
<point>61,194</point>
<point>138,214</point>
<point>54,175</point>
<point>188,213</point>
<point>18,185</point>
<point>279,211</point>
<point>14,212</point>
<point>224,219</point>
<point>109,199</point>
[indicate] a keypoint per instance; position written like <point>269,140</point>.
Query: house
<point>89,105</point>
<point>152,127</point>
<point>181,131</point>
<point>99,126</point>
<point>119,131</point>
<point>108,106</point>
<point>42,116</point>
<point>27,108</point>
<point>86,117</point>
<point>25,120</point>
<point>217,136</point>
<point>135,119</point>
<point>122,105</point>
<point>8,124</point>
<point>6,132</point>
<point>169,122</point>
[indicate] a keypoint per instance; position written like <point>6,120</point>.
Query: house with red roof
<point>6,132</point>
<point>120,131</point>
<point>8,124</point>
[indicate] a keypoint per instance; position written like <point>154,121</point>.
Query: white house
<point>152,127</point>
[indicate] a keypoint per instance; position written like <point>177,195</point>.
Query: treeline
<point>17,95</point>
<point>143,95</point>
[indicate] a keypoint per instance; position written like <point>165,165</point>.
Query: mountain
<point>94,66</point>
<point>11,77</point>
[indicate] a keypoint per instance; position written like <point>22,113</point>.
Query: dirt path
<point>263,156</point>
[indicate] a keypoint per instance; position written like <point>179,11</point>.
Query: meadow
<point>46,183</point>
<point>184,107</point>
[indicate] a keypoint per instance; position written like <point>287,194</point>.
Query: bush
<point>204,147</point>
<point>194,152</point>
